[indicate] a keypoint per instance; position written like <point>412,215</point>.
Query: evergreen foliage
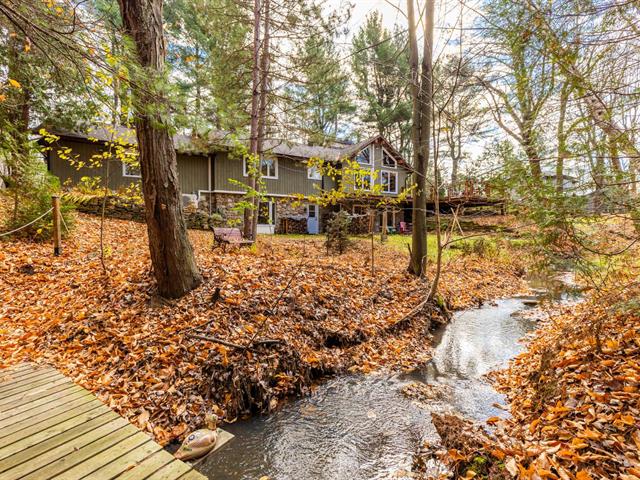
<point>337,232</point>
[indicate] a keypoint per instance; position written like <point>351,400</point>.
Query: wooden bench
<point>229,236</point>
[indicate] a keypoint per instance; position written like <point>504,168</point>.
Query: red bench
<point>229,236</point>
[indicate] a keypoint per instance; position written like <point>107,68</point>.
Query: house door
<point>312,219</point>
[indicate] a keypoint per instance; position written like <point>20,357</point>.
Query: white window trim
<point>370,174</point>
<point>310,175</point>
<point>371,154</point>
<point>272,217</point>
<point>127,175</point>
<point>246,174</point>
<point>389,172</point>
<point>395,162</point>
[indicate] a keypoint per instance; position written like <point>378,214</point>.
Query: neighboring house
<point>569,183</point>
<point>210,174</point>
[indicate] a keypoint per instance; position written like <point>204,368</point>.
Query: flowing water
<point>362,427</point>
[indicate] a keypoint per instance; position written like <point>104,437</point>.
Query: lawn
<point>396,241</point>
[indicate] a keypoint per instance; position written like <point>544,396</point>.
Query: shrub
<point>29,205</point>
<point>337,232</point>
<point>481,247</point>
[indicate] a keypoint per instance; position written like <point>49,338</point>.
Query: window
<point>266,213</point>
<point>389,182</point>
<point>313,173</point>
<point>311,211</point>
<point>363,180</point>
<point>388,160</point>
<point>268,168</point>
<point>131,170</point>
<point>365,157</point>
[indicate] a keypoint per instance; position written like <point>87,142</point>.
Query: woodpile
<point>292,225</point>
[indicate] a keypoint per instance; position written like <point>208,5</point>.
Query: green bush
<point>29,199</point>
<point>481,247</point>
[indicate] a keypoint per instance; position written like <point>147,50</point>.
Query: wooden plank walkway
<point>53,428</point>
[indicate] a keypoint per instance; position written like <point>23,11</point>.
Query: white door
<point>312,219</point>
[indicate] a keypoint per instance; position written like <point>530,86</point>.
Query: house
<point>569,182</point>
<point>212,175</point>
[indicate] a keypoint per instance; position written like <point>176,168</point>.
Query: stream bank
<point>364,426</point>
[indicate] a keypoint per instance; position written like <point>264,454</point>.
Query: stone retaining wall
<point>291,215</point>
<point>127,209</point>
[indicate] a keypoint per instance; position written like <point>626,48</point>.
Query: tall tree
<point>520,79</point>
<point>320,95</point>
<point>422,98</point>
<point>380,65</point>
<point>172,256</point>
<point>210,62</point>
<point>254,159</point>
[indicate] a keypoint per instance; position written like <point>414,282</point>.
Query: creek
<point>362,427</point>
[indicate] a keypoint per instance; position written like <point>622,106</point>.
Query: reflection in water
<point>362,427</point>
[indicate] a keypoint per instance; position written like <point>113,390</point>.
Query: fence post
<point>57,234</point>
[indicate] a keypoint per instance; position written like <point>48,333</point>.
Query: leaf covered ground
<point>109,331</point>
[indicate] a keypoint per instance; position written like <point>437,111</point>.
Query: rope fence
<point>26,225</point>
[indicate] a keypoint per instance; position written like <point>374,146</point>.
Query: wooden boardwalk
<point>52,428</point>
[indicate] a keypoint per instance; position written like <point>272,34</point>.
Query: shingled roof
<point>218,140</point>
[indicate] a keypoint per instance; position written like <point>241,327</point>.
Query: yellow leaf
<point>14,83</point>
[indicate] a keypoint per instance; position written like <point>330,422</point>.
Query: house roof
<point>222,140</point>
<point>127,136</point>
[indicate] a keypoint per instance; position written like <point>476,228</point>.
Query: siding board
<point>192,169</point>
<point>292,176</point>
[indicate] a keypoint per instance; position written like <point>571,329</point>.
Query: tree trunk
<point>262,111</point>
<point>251,214</point>
<point>563,152</point>
<point>530,148</point>
<point>172,256</point>
<point>421,93</point>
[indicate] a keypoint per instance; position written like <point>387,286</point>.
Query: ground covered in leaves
<point>146,358</point>
<point>574,397</point>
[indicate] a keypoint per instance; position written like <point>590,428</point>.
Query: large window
<point>363,180</point>
<point>131,169</point>
<point>389,182</point>
<point>268,168</point>
<point>365,157</point>
<point>266,213</point>
<point>313,173</point>
<point>388,160</point>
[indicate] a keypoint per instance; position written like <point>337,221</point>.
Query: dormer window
<point>365,157</point>
<point>388,160</point>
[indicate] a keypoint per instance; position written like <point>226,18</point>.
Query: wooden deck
<point>52,428</point>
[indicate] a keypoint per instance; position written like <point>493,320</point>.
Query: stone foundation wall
<point>127,209</point>
<point>222,204</point>
<point>216,209</point>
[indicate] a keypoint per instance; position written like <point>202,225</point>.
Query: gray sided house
<point>75,148</point>
<point>213,176</point>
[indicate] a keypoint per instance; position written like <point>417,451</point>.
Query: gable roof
<point>351,151</point>
<point>218,140</point>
